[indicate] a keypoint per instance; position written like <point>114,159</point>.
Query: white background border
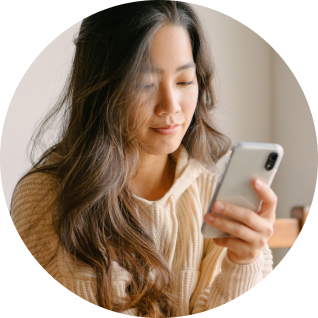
<point>29,26</point>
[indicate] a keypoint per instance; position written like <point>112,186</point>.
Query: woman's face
<point>170,92</point>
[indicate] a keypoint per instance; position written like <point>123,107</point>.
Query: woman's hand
<point>251,230</point>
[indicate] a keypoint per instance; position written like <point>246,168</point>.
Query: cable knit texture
<point>206,277</point>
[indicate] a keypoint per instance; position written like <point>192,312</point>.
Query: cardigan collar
<point>187,171</point>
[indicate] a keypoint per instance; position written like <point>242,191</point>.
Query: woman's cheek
<point>190,100</point>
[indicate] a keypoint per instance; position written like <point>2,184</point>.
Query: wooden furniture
<point>287,230</point>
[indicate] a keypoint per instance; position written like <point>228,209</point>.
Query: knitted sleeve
<point>31,212</point>
<point>222,280</point>
<point>31,215</point>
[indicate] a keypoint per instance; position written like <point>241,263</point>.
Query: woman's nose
<point>168,101</point>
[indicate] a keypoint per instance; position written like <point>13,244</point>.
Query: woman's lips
<point>167,130</point>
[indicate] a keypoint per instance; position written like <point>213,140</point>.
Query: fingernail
<point>218,206</point>
<point>258,184</point>
<point>210,217</point>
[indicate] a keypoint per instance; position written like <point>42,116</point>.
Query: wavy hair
<point>96,153</point>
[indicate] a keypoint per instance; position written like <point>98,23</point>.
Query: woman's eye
<point>185,83</point>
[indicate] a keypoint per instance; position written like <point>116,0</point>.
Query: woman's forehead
<point>171,50</point>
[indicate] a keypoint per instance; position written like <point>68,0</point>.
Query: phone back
<point>247,162</point>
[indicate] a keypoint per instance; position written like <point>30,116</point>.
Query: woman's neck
<point>154,178</point>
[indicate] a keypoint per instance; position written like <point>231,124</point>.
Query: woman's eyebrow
<point>178,69</point>
<point>184,67</point>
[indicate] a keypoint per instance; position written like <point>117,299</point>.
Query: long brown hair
<point>96,154</point>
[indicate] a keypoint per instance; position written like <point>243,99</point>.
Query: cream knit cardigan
<point>206,277</point>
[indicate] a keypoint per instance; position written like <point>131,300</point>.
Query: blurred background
<point>258,99</point>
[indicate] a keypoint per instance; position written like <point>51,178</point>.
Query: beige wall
<point>293,128</point>
<point>243,77</point>
<point>34,96</point>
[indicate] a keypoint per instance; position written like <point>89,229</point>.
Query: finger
<point>233,228</point>
<point>268,197</point>
<point>242,251</point>
<point>242,215</point>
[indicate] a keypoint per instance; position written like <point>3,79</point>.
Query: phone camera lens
<point>271,161</point>
<point>273,157</point>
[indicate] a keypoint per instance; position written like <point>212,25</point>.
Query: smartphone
<point>248,161</point>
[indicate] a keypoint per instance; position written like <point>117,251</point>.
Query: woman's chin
<point>164,149</point>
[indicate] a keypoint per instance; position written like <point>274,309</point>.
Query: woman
<point>113,210</point>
